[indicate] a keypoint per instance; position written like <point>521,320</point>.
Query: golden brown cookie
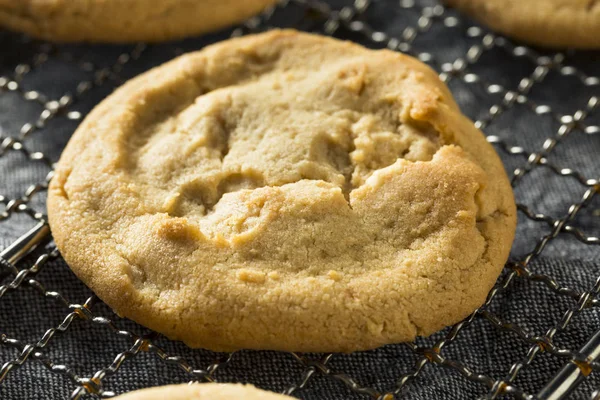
<point>550,23</point>
<point>203,391</point>
<point>284,191</point>
<point>123,20</point>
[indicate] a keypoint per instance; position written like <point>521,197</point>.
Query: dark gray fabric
<point>86,347</point>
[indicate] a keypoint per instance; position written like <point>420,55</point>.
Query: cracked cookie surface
<point>203,391</point>
<point>123,20</point>
<point>284,191</point>
<point>548,23</point>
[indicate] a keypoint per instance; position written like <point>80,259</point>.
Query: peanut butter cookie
<point>123,20</point>
<point>284,191</point>
<point>203,391</point>
<point>550,23</point>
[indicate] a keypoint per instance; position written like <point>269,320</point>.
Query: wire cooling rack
<point>540,111</point>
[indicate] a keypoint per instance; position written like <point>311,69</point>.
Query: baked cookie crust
<point>202,391</point>
<point>284,191</point>
<point>548,23</point>
<point>123,21</point>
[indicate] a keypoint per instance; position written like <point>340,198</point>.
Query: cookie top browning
<point>123,21</point>
<point>549,23</point>
<point>284,191</point>
<point>203,391</point>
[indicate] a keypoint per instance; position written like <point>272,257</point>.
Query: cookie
<point>548,23</point>
<point>284,191</point>
<point>115,21</point>
<point>203,391</point>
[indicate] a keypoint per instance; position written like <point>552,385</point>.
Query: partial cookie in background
<point>120,21</point>
<point>284,191</point>
<point>203,391</point>
<point>548,23</point>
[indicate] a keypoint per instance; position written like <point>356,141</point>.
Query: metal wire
<point>350,18</point>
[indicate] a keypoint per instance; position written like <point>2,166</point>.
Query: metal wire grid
<point>350,18</point>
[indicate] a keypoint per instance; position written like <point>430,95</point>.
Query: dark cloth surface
<point>524,100</point>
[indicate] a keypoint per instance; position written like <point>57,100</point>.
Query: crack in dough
<point>254,134</point>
